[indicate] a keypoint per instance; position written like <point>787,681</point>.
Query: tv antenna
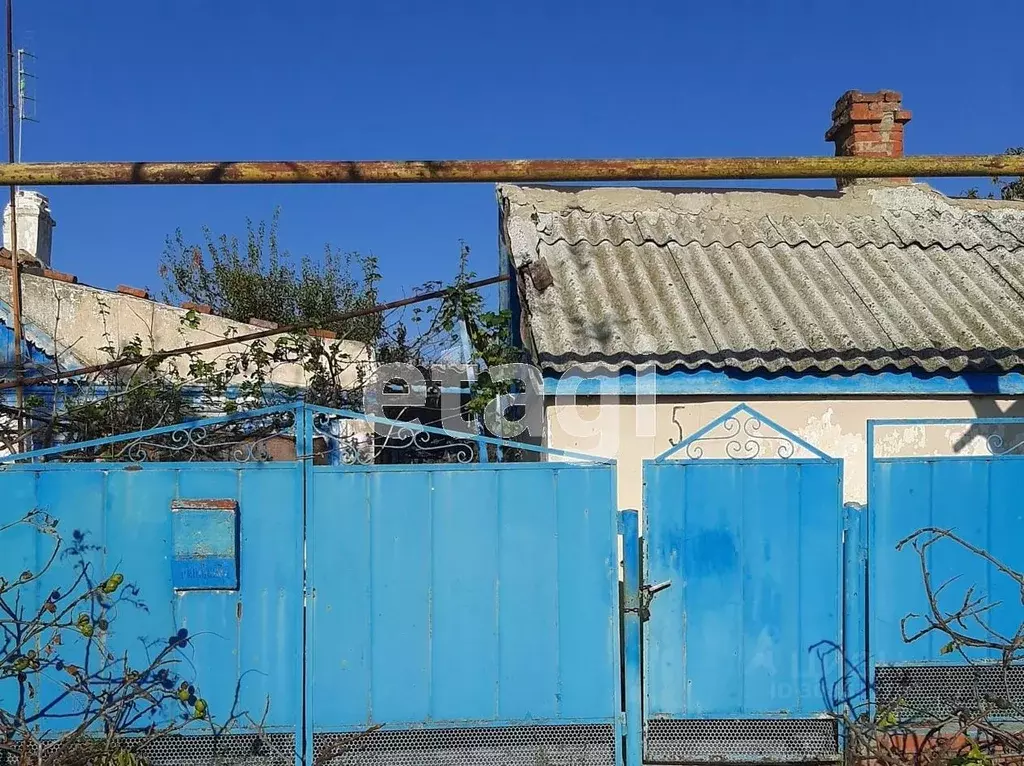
<point>26,94</point>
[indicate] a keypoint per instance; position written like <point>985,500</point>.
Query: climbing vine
<point>332,368</point>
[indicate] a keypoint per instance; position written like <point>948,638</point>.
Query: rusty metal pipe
<point>492,171</point>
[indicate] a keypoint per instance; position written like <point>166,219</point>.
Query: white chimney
<point>35,226</point>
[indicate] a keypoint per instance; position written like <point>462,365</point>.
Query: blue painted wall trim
<point>39,346</point>
<point>725,383</point>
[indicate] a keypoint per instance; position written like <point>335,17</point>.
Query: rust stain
<point>205,505</point>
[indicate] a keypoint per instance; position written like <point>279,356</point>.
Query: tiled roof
<point>875,277</point>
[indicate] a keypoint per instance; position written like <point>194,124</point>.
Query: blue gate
<point>467,609</point>
<point>212,548</point>
<point>743,588</point>
<point>943,508</point>
<point>472,608</point>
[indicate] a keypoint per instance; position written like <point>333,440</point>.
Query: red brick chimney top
<point>868,124</point>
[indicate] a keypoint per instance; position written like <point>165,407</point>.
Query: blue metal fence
<point>457,596</point>
<point>477,599</point>
<point>971,493</point>
<point>247,641</point>
<point>472,608</point>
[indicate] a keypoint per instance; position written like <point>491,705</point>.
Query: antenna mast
<point>26,95</point>
<point>15,266</point>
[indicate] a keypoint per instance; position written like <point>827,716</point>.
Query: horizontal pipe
<point>492,171</point>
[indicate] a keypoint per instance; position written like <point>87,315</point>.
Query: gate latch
<point>647,594</point>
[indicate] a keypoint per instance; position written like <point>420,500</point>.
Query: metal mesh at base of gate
<point>560,745</point>
<point>938,690</point>
<point>781,740</point>
<point>229,749</point>
<point>270,749</point>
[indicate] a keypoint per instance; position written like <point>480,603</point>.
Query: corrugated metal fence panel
<point>978,498</point>
<point>475,594</point>
<point>753,552</point>
<point>250,639</point>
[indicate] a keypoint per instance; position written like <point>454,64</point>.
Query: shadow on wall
<point>999,439</point>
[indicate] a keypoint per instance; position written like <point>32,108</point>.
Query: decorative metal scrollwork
<point>374,444</point>
<point>741,436</point>
<point>339,437</point>
<point>240,441</point>
<point>995,444</point>
<point>908,438</point>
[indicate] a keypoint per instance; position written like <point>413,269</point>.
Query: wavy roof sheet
<point>875,277</point>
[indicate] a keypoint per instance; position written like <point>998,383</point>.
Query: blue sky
<point>204,80</point>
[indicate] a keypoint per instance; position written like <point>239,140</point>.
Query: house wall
<point>82,320</point>
<point>632,432</point>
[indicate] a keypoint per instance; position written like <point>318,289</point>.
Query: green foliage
<point>263,281</point>
<point>63,640</point>
<point>973,757</point>
<point>143,397</point>
<point>398,348</point>
<point>886,719</point>
<point>1006,189</point>
<point>121,757</point>
<point>259,279</point>
<point>489,333</point>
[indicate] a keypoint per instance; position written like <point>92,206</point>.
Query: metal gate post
<point>304,451</point>
<point>854,667</point>
<point>630,529</point>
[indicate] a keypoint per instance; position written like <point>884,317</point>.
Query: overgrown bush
<point>980,723</point>
<point>67,698</point>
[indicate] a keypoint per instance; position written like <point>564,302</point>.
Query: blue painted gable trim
<point>730,417</point>
<point>39,346</point>
<point>728,383</point>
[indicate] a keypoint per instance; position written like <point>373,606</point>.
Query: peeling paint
<point>899,441</point>
<point>825,432</point>
<point>836,426</point>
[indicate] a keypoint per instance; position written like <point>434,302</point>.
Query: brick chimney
<point>868,125</point>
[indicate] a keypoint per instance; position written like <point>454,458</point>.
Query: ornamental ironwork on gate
<point>461,611</point>
<point>341,437</point>
<point>742,582</point>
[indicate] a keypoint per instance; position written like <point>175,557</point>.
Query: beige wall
<point>633,432</point>
<point>83,320</point>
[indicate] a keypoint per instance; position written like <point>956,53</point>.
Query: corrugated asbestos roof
<point>876,277</point>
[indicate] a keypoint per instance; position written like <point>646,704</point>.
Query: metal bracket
<point>647,594</point>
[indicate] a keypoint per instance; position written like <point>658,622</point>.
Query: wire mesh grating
<point>200,750</point>
<point>251,749</point>
<point>559,745</point>
<point>937,690</point>
<point>779,740</point>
